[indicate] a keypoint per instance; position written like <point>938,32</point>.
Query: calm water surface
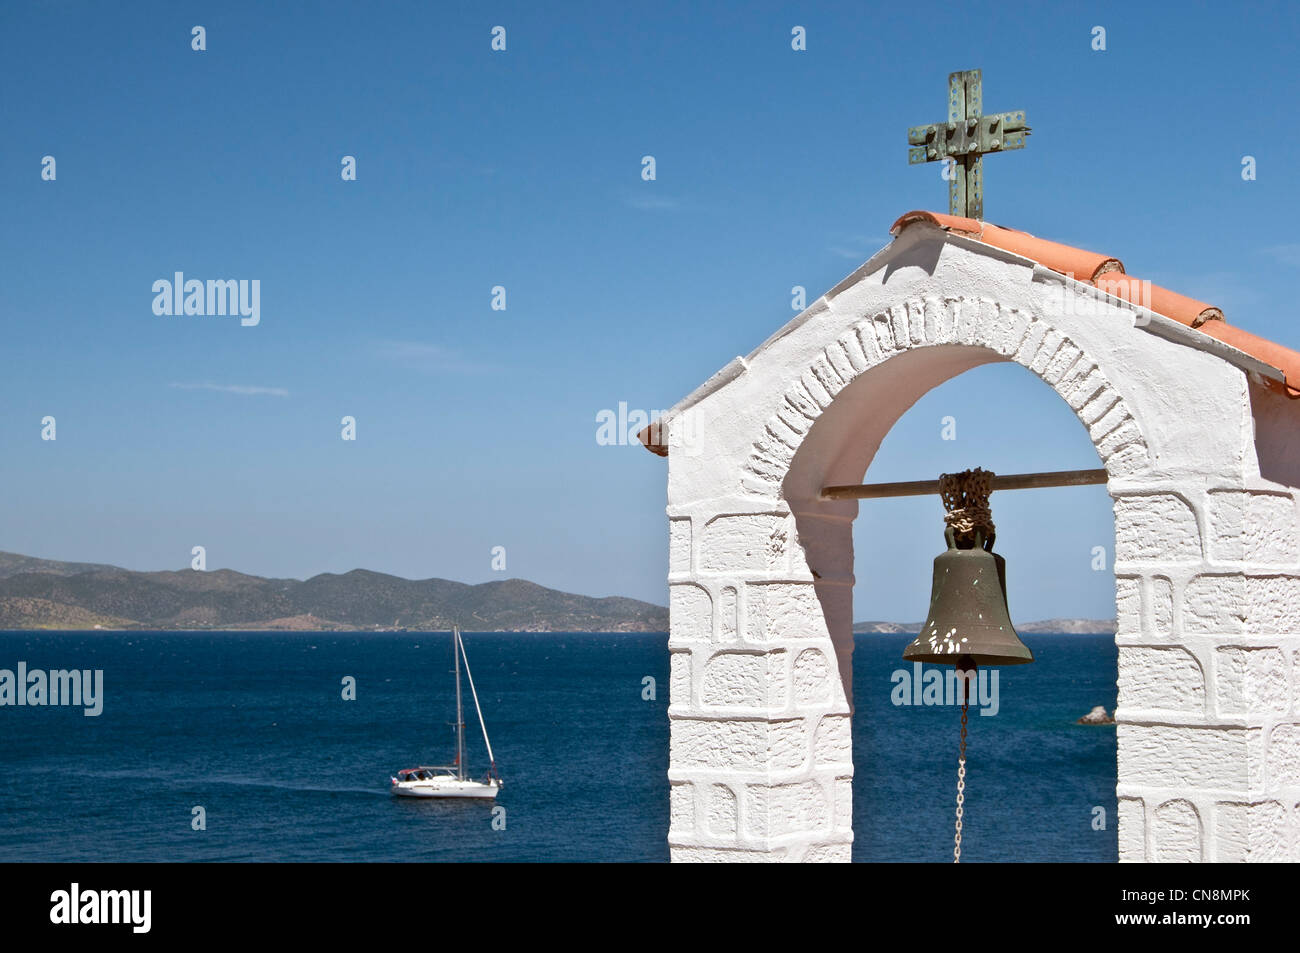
<point>253,728</point>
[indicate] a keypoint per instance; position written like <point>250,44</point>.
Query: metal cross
<point>965,138</point>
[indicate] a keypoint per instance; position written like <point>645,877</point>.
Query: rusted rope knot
<point>966,498</point>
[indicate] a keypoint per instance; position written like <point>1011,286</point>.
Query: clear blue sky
<point>476,427</point>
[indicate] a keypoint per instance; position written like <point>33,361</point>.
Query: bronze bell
<point>969,621</point>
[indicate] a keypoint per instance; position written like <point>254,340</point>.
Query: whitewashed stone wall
<point>761,570</point>
<point>1209,756</point>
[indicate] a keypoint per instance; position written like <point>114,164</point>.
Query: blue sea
<point>253,728</point>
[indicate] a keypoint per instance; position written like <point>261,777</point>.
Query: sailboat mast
<point>460,715</point>
<point>478,708</point>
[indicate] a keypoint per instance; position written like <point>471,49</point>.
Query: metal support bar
<point>1014,481</point>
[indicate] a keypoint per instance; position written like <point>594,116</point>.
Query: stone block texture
<point>1209,728</point>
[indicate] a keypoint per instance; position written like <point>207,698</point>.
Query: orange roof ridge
<point>1066,259</point>
<point>1108,275</point>
<point>1171,304</point>
<point>1283,358</point>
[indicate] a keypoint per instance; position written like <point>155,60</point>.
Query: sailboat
<point>450,780</point>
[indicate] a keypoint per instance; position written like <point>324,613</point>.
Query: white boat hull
<point>446,787</point>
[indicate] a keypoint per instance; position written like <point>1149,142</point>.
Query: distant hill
<point>1070,626</point>
<point>11,564</point>
<point>41,593</point>
<point>20,614</point>
<point>1046,626</point>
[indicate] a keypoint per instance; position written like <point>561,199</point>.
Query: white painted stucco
<point>1207,555</point>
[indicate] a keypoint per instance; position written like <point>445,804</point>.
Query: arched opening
<point>1040,786</point>
<point>1036,777</point>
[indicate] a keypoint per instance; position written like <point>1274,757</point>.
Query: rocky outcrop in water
<point>1097,716</point>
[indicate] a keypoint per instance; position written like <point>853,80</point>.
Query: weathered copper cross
<point>965,138</point>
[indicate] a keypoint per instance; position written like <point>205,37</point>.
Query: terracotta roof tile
<point>1084,265</point>
<point>1107,274</point>
<point>1283,358</point>
<point>653,438</point>
<point>1171,304</point>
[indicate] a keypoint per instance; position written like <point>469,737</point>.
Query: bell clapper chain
<point>966,666</point>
